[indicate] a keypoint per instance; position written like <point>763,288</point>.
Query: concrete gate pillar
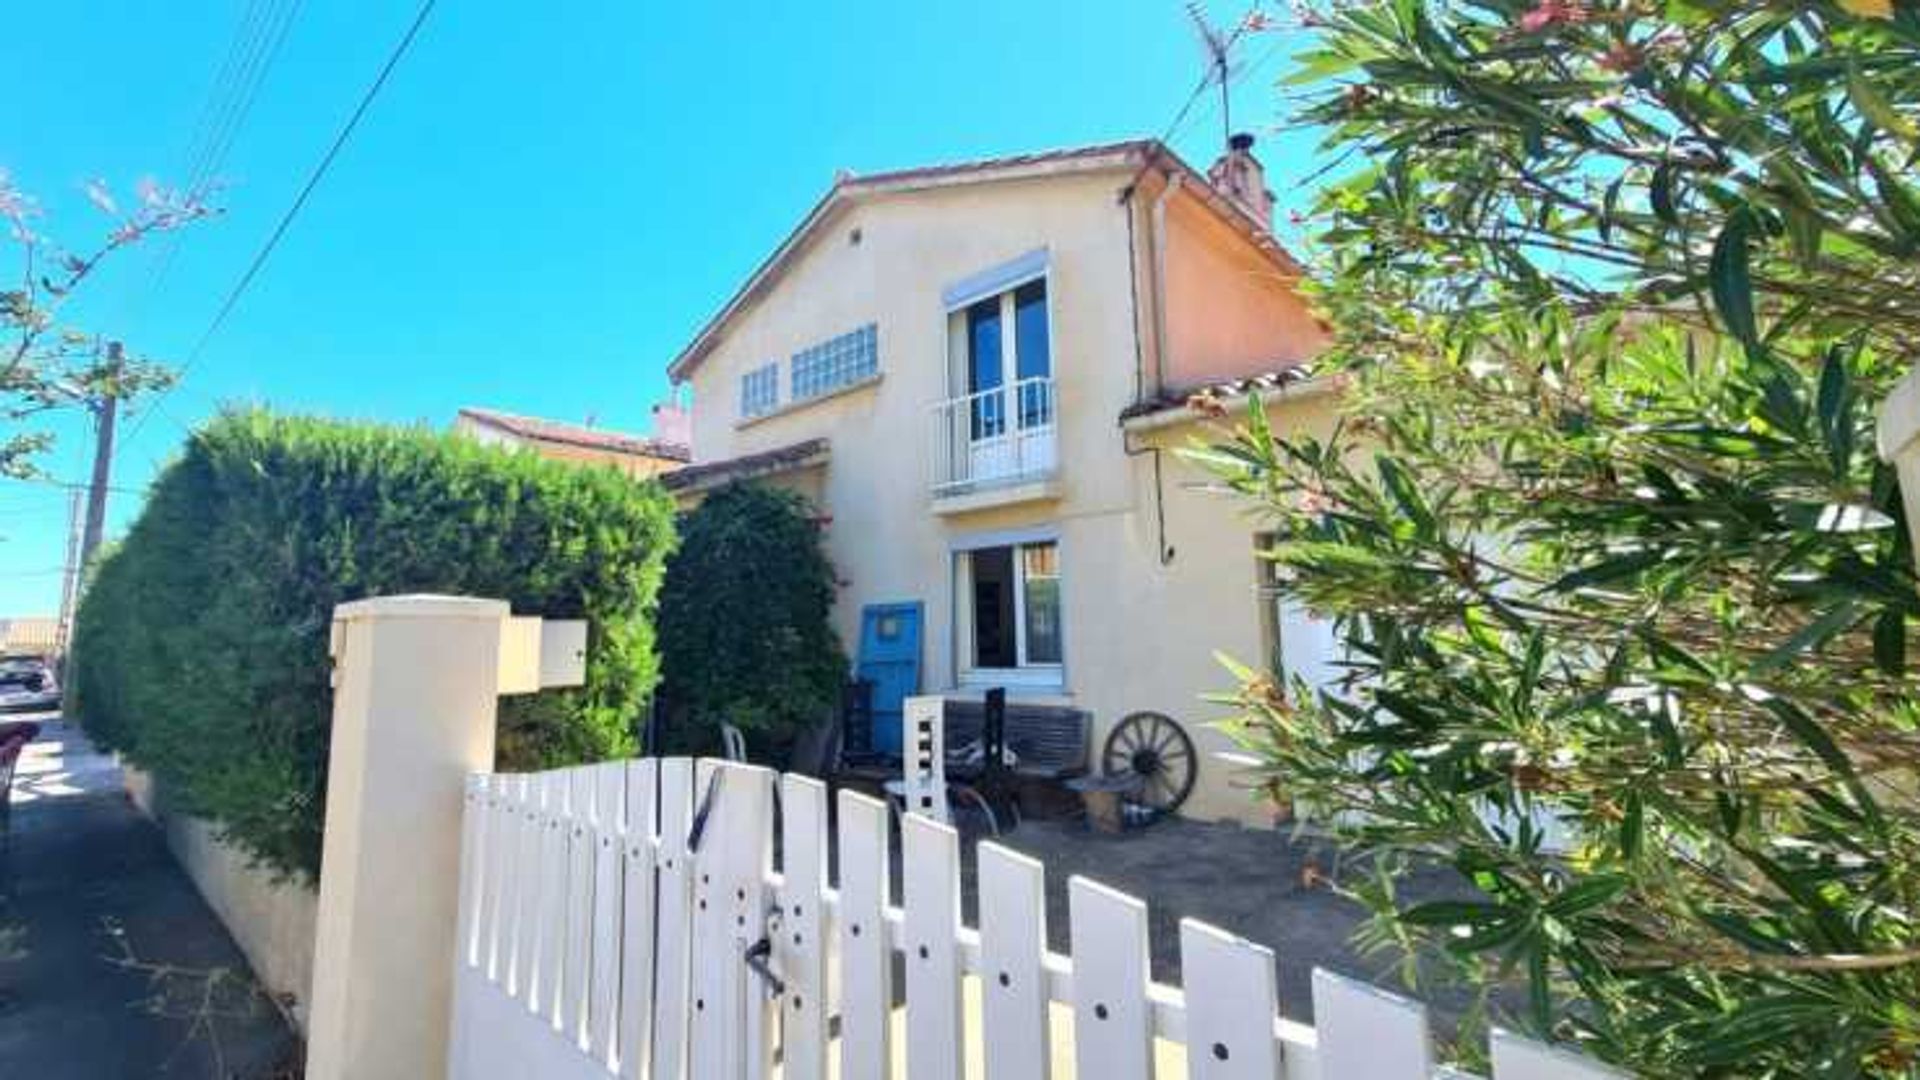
<point>417,681</point>
<point>415,698</point>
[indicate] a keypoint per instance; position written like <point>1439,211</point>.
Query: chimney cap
<point>1240,140</point>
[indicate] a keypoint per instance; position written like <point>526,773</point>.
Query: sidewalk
<point>110,964</point>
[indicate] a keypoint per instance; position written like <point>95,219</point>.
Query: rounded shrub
<point>746,635</point>
<point>201,644</point>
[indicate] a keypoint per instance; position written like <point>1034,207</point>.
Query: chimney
<point>673,423</point>
<point>1239,177</point>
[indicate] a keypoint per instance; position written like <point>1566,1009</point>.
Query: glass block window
<point>841,361</point>
<point>760,390</point>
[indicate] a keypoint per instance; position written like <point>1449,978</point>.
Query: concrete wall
<point>272,921</point>
<point>1139,634</point>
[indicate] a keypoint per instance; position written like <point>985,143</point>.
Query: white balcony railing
<point>1005,435</point>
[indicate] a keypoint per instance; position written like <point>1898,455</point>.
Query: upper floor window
<point>1008,346</point>
<point>839,362</point>
<point>760,391</point>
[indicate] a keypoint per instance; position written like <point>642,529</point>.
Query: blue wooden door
<point>890,659</point>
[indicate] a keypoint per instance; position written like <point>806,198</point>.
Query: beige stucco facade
<point>1142,614</point>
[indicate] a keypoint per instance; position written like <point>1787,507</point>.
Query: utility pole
<point>69,580</point>
<point>106,410</point>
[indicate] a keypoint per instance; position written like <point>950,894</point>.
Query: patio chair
<point>984,769</point>
<point>733,743</point>
<point>924,787</point>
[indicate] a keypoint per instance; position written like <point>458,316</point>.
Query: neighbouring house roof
<point>712,474</point>
<point>534,429</point>
<point>1138,154</point>
<point>1211,398</point>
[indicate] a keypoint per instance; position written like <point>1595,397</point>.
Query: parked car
<point>28,684</point>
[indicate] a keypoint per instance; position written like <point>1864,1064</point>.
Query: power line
<point>70,485</point>
<point>286,220</point>
<point>255,47</point>
<point>220,93</point>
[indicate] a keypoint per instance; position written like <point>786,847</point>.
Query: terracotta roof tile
<point>553,431</point>
<point>1266,382</point>
<point>713,473</point>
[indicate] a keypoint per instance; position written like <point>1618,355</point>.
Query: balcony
<point>995,447</point>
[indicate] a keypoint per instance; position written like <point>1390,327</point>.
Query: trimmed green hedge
<point>201,644</point>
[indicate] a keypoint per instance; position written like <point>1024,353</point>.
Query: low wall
<point>272,921</point>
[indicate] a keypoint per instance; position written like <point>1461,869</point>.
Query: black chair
<point>856,722</point>
<point>979,775</point>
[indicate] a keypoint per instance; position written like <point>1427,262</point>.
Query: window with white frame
<point>760,391</point>
<point>1012,606</point>
<point>839,362</point>
<point>1004,346</point>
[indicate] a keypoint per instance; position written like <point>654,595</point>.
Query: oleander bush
<point>201,644</point>
<point>1618,286</point>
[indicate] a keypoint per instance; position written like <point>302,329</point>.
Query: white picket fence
<point>608,915</point>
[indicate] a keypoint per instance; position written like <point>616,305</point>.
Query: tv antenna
<point>1220,67</point>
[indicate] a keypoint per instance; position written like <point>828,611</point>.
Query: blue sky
<point>540,209</point>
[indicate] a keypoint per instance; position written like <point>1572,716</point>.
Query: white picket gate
<point>609,918</point>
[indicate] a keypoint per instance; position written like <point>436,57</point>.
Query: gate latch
<point>759,956</point>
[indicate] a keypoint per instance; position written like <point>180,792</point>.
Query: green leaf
<point>1660,193</point>
<point>1835,621</point>
<point>1316,65</point>
<point>1810,732</point>
<point>1587,895</point>
<point>1875,107</point>
<point>1406,495</point>
<point>1890,641</point>
<point>1835,406</point>
<point>1730,278</point>
<point>1456,913</point>
<point>1608,570</point>
<point>1633,825</point>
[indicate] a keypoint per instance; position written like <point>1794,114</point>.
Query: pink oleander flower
<point>101,196</point>
<point>1552,13</point>
<point>1623,58</point>
<point>1314,502</point>
<point>1206,404</point>
<point>14,205</point>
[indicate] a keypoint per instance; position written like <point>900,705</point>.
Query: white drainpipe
<point>1159,239</point>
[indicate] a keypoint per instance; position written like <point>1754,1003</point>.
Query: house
<point>32,635</point>
<point>978,372</point>
<point>635,455</point>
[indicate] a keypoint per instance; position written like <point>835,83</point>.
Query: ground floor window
<point>1014,605</point>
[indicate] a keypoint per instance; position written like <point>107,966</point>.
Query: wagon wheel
<point>1153,747</point>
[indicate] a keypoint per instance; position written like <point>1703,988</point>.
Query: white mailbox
<point>537,654</point>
